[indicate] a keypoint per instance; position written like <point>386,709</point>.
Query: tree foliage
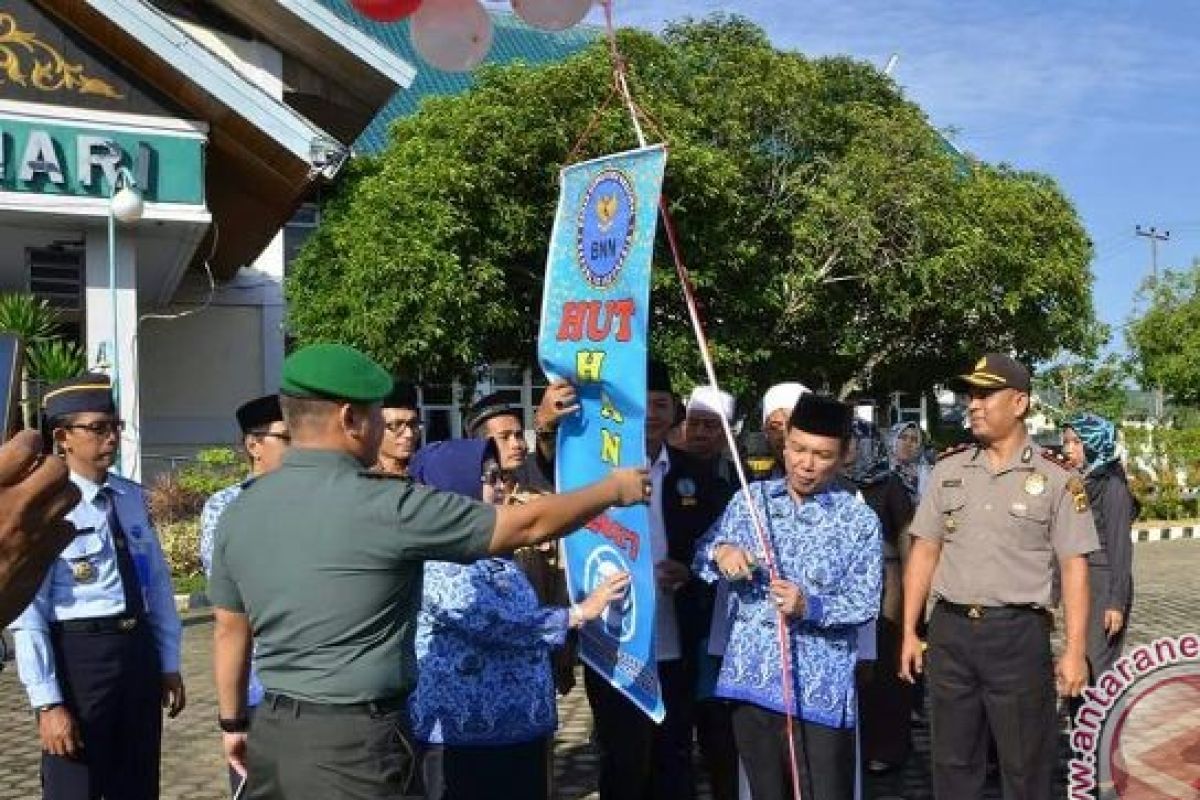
<point>1097,385</point>
<point>832,234</point>
<point>1165,339</point>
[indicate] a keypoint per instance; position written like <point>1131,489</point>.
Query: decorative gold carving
<point>49,72</point>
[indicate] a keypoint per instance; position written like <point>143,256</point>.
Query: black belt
<point>372,707</point>
<point>98,625</point>
<point>975,611</point>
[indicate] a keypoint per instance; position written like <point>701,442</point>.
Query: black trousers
<point>304,752</point>
<point>640,760</point>
<point>112,685</point>
<point>885,701</point>
<point>718,750</point>
<point>824,755</point>
<point>507,772</point>
<point>1102,652</point>
<point>992,674</point>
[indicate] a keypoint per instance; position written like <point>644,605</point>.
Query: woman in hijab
<point>885,700</point>
<point>1090,446</point>
<point>484,703</point>
<point>907,457</point>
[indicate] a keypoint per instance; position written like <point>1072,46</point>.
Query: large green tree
<point>832,234</point>
<point>1165,339</point>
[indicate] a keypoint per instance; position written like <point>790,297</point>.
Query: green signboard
<point>52,158</point>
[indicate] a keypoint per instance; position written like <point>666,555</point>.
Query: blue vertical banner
<point>595,318</point>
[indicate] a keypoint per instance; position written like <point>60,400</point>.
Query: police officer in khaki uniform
<point>321,561</point>
<point>987,534</point>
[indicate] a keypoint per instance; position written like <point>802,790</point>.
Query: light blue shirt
<point>831,547</point>
<point>210,515</point>
<point>63,596</point>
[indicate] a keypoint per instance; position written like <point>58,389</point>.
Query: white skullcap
<point>713,400</point>
<point>782,396</point>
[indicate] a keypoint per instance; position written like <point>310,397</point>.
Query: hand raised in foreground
<point>35,496</point>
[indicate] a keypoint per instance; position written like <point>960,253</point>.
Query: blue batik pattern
<point>214,506</point>
<point>210,515</point>
<point>830,546</point>
<point>483,656</point>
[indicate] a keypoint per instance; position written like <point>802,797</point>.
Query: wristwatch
<point>234,724</point>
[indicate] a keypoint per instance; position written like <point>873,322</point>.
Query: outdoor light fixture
<point>124,205</point>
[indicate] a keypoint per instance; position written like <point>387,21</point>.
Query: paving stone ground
<point>192,768</point>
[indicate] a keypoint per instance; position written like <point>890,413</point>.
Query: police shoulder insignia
<point>1078,494</point>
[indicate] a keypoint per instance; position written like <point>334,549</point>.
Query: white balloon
<point>452,35</point>
<point>552,15</point>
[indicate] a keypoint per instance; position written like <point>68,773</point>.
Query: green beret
<point>334,372</point>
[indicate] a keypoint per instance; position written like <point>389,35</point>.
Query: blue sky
<point>1104,95</point>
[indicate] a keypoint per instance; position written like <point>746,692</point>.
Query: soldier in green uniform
<point>321,562</point>
<point>987,534</point>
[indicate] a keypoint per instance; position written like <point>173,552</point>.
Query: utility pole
<point>1154,235</point>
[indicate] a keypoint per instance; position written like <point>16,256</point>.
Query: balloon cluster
<point>456,35</point>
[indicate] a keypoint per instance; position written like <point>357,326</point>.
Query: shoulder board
<point>378,475</point>
<point>1047,457</point>
<point>957,450</point>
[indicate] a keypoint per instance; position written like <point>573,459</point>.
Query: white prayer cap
<point>712,400</point>
<point>782,396</point>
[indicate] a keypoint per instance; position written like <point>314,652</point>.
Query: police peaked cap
<point>822,415</point>
<point>90,392</point>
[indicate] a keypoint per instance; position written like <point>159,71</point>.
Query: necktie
<point>130,584</point>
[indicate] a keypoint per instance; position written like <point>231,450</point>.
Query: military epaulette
<point>380,475</point>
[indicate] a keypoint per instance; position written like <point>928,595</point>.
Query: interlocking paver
<point>193,770</point>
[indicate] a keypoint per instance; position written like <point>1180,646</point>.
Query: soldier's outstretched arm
<point>552,516</point>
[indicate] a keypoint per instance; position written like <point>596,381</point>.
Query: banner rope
<point>636,114</point>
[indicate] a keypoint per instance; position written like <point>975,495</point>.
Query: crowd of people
<point>391,618</point>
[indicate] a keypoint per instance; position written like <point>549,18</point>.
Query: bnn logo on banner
<point>595,314</point>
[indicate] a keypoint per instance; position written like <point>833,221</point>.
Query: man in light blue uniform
<point>265,439</point>
<point>98,648</point>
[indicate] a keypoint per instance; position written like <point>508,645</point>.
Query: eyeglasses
<point>104,428</point>
<point>401,425</point>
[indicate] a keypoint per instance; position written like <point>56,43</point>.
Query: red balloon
<point>386,10</point>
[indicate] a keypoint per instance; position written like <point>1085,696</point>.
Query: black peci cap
<point>403,395</point>
<point>822,415</point>
<point>658,377</point>
<point>259,413</point>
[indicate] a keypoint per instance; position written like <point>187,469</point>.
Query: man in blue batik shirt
<point>265,439</point>
<point>826,547</point>
<point>98,648</point>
